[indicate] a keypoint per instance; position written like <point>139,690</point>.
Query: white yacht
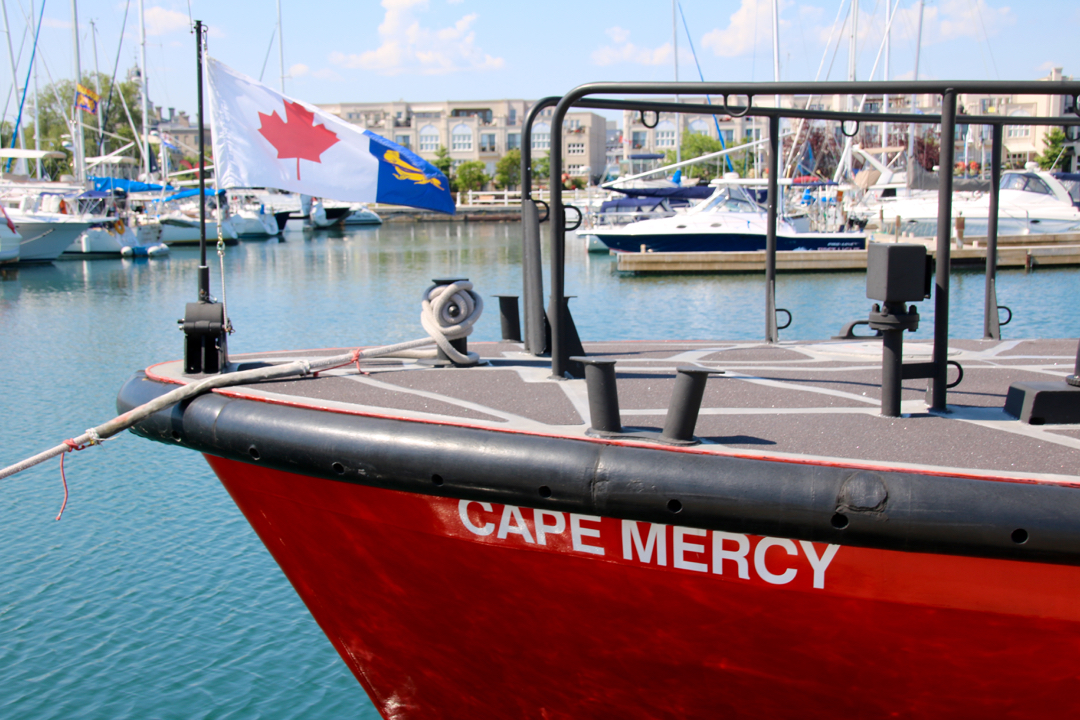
<point>250,218</point>
<point>729,221</point>
<point>1031,201</point>
<point>362,215</point>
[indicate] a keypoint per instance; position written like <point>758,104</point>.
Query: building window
<point>729,137</point>
<point>575,148</point>
<point>487,142</point>
<point>701,127</point>
<point>429,138</point>
<point>512,120</point>
<point>461,138</point>
<point>513,141</point>
<point>638,139</point>
<point>402,140</point>
<point>665,134</point>
<point>541,136</point>
<point>1017,131</point>
<point>573,124</point>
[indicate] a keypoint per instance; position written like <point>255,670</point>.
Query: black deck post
<point>991,323</point>
<point>560,354</point>
<point>773,202</point>
<point>937,390</point>
<point>531,257</point>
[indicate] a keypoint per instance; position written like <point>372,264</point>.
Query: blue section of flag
<point>405,178</point>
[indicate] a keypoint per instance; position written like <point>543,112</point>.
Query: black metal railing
<point>584,96</point>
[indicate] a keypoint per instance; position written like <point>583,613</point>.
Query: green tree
<point>446,166</point>
<point>508,170</point>
<point>471,175</point>
<point>442,161</point>
<point>57,102</point>
<point>695,145</point>
<point>541,167</point>
<point>1057,152</point>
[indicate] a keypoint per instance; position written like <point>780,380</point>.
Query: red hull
<point>437,620</point>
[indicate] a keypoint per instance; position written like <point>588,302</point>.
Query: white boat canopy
<point>110,160</point>
<point>19,153</point>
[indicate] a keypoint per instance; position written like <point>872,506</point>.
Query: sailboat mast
<point>145,93</point>
<point>281,47</point>
<point>853,48</point>
<point>776,44</point>
<point>914,100</point>
<point>77,140</point>
<point>14,78</point>
<point>675,48</point>
<point>37,108</point>
<point>885,99</point>
<point>97,86</point>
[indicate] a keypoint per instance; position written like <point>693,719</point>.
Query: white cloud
<point>299,70</point>
<point>407,46</point>
<point>946,21</point>
<point>54,23</point>
<point>624,51</point>
<point>160,21</point>
<point>748,27</point>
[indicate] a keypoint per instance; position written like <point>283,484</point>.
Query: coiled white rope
<point>449,313</point>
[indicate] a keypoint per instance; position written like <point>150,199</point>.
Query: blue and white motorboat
<point>729,221</point>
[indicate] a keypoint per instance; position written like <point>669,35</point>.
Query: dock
<point>1014,251</point>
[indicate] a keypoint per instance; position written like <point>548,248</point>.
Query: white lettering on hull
<point>776,561</point>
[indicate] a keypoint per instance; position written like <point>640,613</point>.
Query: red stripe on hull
<point>436,620</point>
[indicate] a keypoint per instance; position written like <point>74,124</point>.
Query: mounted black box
<point>205,338</point>
<point>896,272</point>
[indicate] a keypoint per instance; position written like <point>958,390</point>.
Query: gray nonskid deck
<point>803,400</point>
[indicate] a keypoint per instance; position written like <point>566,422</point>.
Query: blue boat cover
<point>128,186</point>
<point>699,192</point>
<point>192,193</point>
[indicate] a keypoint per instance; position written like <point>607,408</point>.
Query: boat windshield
<point>1025,182</point>
<point>730,200</point>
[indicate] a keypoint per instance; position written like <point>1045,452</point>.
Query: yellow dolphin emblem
<point>405,171</point>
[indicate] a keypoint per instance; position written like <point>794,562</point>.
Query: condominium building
<point>483,130</point>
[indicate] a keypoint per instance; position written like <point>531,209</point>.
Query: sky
<point>433,50</point>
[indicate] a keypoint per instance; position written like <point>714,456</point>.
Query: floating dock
<point>1014,251</point>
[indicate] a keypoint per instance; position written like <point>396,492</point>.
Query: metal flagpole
<point>204,269</point>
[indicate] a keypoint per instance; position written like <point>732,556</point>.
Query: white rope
<point>449,313</point>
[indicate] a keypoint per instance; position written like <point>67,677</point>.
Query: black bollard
<point>509,320</point>
<point>685,403</point>
<point>603,395</point>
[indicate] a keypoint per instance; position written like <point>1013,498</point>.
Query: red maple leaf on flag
<point>297,136</point>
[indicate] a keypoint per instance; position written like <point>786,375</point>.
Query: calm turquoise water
<point>153,598</point>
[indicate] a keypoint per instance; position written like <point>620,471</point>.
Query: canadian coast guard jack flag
<point>264,139</point>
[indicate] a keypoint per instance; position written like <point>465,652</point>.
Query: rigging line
<point>986,39</point>
<point>789,164</point>
<point>18,59</point>
<point>26,85</point>
<point>268,49</point>
<point>982,56</point>
<point>112,81</point>
<point>701,75</point>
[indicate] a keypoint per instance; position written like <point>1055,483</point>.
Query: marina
<point>779,454</point>
<point>162,593</point>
